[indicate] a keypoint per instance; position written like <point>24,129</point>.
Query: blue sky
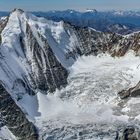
<point>45,5</point>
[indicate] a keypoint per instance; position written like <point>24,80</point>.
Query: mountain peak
<point>91,10</point>
<point>18,10</point>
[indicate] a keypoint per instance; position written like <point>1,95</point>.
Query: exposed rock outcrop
<point>94,42</point>
<point>129,133</point>
<point>14,118</point>
<point>132,92</point>
<point>3,23</point>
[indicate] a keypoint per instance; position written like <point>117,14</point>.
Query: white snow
<point>119,13</point>
<point>5,134</point>
<point>29,105</point>
<point>3,18</point>
<point>12,60</point>
<point>91,10</point>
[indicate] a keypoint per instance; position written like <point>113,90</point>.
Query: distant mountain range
<point>122,22</point>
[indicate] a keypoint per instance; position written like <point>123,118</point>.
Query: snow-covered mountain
<point>39,57</point>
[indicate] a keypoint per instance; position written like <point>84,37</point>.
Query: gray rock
<point>129,133</point>
<point>14,118</point>
<point>132,92</point>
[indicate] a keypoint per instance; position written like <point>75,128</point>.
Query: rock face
<point>3,23</point>
<point>132,92</point>
<point>14,118</point>
<point>93,42</point>
<point>129,133</point>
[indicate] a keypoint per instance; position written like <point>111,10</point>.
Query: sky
<point>81,5</point>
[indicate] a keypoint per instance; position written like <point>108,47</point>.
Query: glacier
<point>89,108</point>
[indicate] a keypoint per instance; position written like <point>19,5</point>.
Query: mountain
<point>36,58</point>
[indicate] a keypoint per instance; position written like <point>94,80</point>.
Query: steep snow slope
<point>60,39</point>
<point>16,37</point>
<point>16,52</point>
<point>11,52</point>
<point>27,64</point>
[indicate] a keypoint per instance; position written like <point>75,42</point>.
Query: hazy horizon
<point>79,5</point>
<point>109,10</point>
